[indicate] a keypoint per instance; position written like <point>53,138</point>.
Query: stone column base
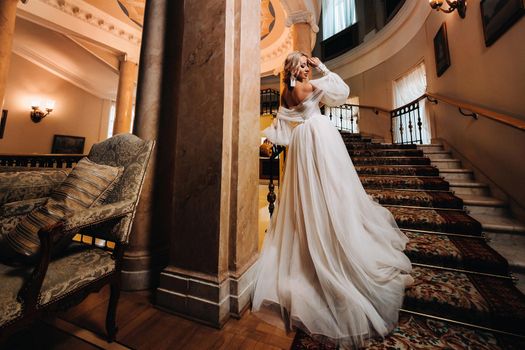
<point>142,272</point>
<point>202,300</point>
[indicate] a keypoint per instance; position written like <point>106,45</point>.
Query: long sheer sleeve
<point>335,89</point>
<point>279,132</point>
<point>281,129</point>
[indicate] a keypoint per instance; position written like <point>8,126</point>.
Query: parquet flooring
<point>142,326</point>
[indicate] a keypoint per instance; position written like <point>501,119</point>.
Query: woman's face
<point>303,70</point>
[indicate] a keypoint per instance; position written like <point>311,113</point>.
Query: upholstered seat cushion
<point>87,185</point>
<point>76,267</point>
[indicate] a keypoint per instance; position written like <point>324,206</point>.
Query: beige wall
<point>76,113</point>
<point>491,77</point>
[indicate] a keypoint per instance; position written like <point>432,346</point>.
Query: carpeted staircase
<point>463,296</point>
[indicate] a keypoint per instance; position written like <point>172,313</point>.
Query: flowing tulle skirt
<point>332,262</point>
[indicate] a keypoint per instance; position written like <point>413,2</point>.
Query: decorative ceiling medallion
<point>267,18</point>
<point>72,8</point>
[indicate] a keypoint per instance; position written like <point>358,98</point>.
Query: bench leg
<point>111,325</point>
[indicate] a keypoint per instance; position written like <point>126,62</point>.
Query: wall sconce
<point>36,114</point>
<point>460,5</point>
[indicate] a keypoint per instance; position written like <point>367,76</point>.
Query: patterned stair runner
<point>411,170</point>
<point>405,182</point>
<point>454,251</point>
<point>462,297</point>
<point>436,199</point>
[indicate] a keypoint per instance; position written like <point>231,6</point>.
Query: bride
<point>332,262</point>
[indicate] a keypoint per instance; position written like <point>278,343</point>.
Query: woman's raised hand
<point>314,61</point>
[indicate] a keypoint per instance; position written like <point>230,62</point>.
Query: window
<point>337,16</point>
<point>111,122</point>
<point>406,89</point>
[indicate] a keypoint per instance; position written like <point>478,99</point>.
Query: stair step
<point>430,219</point>
<point>511,247</point>
<point>520,284</point>
<point>391,160</point>
<point>433,147</point>
<point>463,296</point>
<point>435,199</point>
<point>456,174</point>
<point>352,146</point>
<point>468,253</point>
<point>411,170</point>
<point>412,182</point>
<point>447,163</point>
<point>438,155</point>
<point>468,187</point>
<point>503,224</point>
<point>386,153</point>
<point>476,204</point>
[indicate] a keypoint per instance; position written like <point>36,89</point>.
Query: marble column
<point>148,250</point>
<point>7,28</point>
<point>214,197</point>
<point>302,37</point>
<point>126,90</point>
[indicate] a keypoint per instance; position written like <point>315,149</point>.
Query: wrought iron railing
<point>345,117</point>
<point>40,160</point>
<point>271,197</point>
<point>406,124</point>
<point>269,101</point>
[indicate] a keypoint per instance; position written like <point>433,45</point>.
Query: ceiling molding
<point>86,21</point>
<point>54,68</point>
<point>277,44</point>
<point>386,43</point>
<point>108,58</point>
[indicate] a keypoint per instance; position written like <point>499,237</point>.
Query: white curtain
<point>406,89</point>
<point>337,15</point>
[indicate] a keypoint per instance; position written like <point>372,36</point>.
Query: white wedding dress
<point>332,262</point>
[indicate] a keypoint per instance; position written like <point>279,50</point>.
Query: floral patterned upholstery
<point>21,185</point>
<point>75,269</point>
<point>78,266</point>
<point>132,153</point>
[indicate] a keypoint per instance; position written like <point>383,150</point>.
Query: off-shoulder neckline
<point>308,97</point>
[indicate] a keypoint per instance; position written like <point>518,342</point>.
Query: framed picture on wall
<point>498,16</point>
<point>441,50</point>
<point>3,120</point>
<point>65,144</point>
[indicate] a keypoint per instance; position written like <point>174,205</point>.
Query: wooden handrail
<point>410,103</point>
<point>376,109</point>
<point>496,116</point>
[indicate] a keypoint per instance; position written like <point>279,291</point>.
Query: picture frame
<point>3,121</point>
<point>441,51</point>
<point>66,144</point>
<point>498,16</point>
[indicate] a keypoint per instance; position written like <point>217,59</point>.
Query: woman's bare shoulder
<point>302,90</point>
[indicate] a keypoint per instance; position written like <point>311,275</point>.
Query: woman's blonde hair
<point>292,61</point>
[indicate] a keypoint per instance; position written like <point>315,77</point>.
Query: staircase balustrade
<point>269,101</point>
<point>406,122</point>
<point>9,161</point>
<point>345,117</point>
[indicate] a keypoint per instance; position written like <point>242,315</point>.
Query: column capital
<point>302,16</point>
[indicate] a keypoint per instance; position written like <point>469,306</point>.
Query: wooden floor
<point>142,326</point>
